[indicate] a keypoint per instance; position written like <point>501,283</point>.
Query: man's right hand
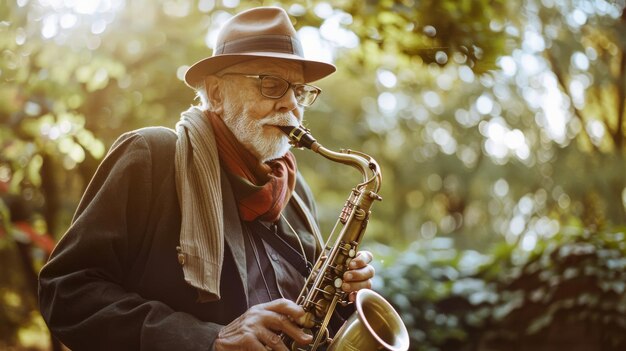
<point>259,328</point>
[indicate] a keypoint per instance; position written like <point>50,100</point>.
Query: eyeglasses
<point>274,87</point>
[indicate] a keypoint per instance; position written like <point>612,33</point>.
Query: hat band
<point>260,43</point>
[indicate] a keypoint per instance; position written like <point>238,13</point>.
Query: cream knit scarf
<point>201,250</point>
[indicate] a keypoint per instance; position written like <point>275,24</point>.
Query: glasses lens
<point>305,94</point>
<point>274,87</point>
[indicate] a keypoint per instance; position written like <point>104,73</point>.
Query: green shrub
<point>569,292</point>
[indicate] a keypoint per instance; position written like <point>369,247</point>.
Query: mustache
<point>283,119</point>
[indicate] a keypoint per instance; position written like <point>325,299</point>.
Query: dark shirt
<point>262,285</point>
<point>270,273</point>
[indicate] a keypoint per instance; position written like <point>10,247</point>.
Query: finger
<point>284,306</point>
<point>356,286</point>
<point>360,274</point>
<point>352,296</point>
<point>362,259</point>
<point>237,340</point>
<point>280,322</point>
<point>271,340</point>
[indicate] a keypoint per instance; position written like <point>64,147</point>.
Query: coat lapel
<point>233,233</point>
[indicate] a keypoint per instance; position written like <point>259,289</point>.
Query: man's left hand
<point>359,274</point>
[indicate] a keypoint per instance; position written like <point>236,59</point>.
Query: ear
<point>213,86</point>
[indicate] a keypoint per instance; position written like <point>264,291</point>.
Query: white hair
<point>201,94</point>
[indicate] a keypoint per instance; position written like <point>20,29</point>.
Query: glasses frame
<point>293,86</point>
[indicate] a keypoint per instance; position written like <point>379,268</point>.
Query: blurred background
<point>499,126</point>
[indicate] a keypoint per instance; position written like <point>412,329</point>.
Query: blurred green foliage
<point>496,123</point>
<point>569,292</point>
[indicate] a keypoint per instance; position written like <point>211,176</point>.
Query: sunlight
<point>316,47</point>
<point>530,241</point>
<point>554,110</point>
<point>82,7</point>
<point>387,78</point>
<point>58,15</point>
<point>503,142</point>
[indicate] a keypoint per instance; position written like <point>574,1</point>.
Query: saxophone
<point>375,325</point>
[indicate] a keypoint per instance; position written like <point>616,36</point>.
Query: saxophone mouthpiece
<point>299,136</point>
<point>287,129</point>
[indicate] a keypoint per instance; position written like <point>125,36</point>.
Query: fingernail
<point>348,276</point>
<point>345,286</point>
<point>353,264</point>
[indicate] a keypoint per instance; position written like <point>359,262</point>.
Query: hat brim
<point>312,70</point>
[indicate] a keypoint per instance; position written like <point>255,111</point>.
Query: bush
<point>569,292</point>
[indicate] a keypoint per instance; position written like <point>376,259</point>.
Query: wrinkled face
<point>253,118</point>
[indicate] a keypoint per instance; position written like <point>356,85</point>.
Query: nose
<point>288,102</point>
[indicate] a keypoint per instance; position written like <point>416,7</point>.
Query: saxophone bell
<point>374,326</point>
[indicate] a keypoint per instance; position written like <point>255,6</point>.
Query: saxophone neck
<point>300,137</point>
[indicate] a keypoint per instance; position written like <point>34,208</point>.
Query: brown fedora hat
<point>255,33</point>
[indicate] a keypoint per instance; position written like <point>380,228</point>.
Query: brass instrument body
<point>365,330</point>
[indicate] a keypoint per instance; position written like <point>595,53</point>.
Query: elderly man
<point>201,238</point>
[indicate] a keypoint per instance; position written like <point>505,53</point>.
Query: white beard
<point>253,133</point>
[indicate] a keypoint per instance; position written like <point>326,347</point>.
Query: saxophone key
<point>329,291</point>
<point>352,253</point>
<point>307,320</point>
<point>321,307</point>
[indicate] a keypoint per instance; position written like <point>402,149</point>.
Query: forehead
<point>289,70</point>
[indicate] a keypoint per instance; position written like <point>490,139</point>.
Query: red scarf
<point>262,190</point>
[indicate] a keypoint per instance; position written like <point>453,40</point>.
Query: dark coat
<point>114,281</point>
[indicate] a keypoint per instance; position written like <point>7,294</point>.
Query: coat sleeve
<point>81,289</point>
